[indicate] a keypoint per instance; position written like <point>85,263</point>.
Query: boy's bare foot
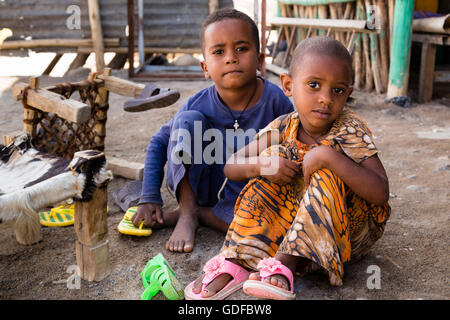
<point>183,236</point>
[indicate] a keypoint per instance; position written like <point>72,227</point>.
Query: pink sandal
<point>258,288</point>
<point>213,268</point>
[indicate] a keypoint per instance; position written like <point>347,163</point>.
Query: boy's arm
<point>367,179</point>
<point>155,159</point>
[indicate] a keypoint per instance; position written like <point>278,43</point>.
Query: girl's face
<point>230,54</point>
<point>319,87</point>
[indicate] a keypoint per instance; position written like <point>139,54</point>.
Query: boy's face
<point>319,87</point>
<point>230,54</point>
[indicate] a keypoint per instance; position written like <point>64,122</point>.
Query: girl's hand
<point>277,169</point>
<point>314,160</point>
<point>151,213</point>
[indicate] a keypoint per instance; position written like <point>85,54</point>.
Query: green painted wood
<point>401,47</point>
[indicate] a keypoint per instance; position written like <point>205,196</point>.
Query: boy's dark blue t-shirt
<point>270,105</point>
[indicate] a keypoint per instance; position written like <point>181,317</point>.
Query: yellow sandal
<point>126,226</point>
<point>61,216</point>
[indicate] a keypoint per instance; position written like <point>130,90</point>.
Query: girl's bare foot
<point>277,280</point>
<point>213,287</point>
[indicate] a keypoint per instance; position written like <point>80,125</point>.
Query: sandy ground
<point>412,257</point>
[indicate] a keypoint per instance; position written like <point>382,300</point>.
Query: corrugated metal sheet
<point>168,23</point>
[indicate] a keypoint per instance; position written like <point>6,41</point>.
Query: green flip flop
<point>157,276</point>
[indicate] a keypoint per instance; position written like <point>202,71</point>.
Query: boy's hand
<point>278,169</point>
<point>314,160</point>
<point>151,213</point>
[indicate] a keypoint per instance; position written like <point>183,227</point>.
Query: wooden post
<point>213,5</point>
<point>401,49</point>
<point>27,227</point>
<point>97,34</point>
<point>91,229</point>
<point>391,4</point>
<point>29,113</point>
<point>100,127</point>
<point>263,36</point>
<point>384,42</point>
<point>357,54</point>
<point>427,72</point>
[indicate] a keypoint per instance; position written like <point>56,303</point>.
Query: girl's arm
<point>367,179</point>
<point>248,163</point>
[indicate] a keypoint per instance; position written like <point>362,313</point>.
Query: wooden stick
<point>375,59</point>
<point>391,4</point>
<point>48,101</point>
<point>427,65</point>
<point>121,86</point>
<point>384,42</point>
<point>357,54</point>
<point>126,169</point>
<point>323,13</point>
<point>30,114</point>
<point>79,61</point>
<point>97,34</point>
<point>334,16</point>
<point>289,47</point>
<point>336,24</point>
<point>284,14</point>
<point>64,43</point>
<point>348,7</point>
<point>52,64</point>
<point>367,70</point>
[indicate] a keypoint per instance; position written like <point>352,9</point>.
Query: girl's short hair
<point>230,13</point>
<point>320,45</point>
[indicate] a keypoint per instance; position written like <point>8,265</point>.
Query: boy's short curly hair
<point>320,45</point>
<point>230,13</point>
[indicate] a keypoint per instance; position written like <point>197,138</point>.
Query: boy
<point>238,101</point>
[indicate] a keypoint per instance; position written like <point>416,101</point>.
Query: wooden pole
<point>384,42</point>
<point>426,78</point>
<point>92,249</point>
<point>130,14</point>
<point>27,228</point>
<point>263,36</point>
<point>357,54</point>
<point>366,51</point>
<point>391,4</point>
<point>401,49</point>
<point>52,64</point>
<point>375,59</point>
<point>96,34</point>
<point>61,43</point>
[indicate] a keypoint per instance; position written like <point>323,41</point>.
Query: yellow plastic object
<point>126,226</point>
<point>61,216</point>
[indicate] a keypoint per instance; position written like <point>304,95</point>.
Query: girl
<point>319,197</point>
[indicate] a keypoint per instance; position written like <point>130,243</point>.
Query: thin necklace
<point>236,123</point>
<point>315,139</point>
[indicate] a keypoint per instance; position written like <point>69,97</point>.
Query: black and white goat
<point>31,180</point>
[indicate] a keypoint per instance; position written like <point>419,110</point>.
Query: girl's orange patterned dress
<point>326,222</point>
